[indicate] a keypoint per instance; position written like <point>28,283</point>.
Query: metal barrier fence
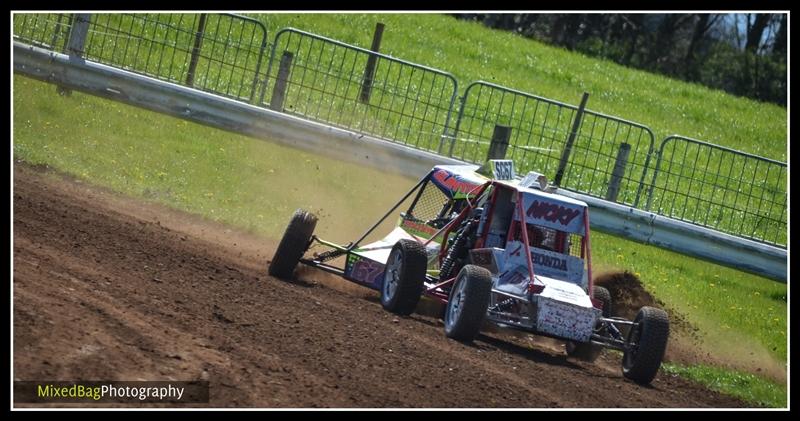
<point>540,128</point>
<point>218,53</point>
<point>408,103</point>
<point>720,188</point>
<point>371,93</point>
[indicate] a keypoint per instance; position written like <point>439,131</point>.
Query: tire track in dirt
<point>109,288</point>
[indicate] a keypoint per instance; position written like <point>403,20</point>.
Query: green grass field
<point>256,185</point>
<point>743,385</point>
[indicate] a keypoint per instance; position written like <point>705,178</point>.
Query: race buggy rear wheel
<point>469,299</point>
<point>404,277</point>
<point>293,244</point>
<point>587,351</point>
<point>645,345</point>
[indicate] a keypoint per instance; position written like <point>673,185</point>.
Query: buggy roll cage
<point>477,191</point>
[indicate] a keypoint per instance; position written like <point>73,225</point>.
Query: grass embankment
<point>471,52</point>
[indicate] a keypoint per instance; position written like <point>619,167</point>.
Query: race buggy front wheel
<point>467,304</point>
<point>602,294</point>
<point>404,277</point>
<point>588,351</point>
<point>294,243</point>
<point>645,345</point>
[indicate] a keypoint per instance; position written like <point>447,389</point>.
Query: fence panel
<point>45,30</point>
<point>223,51</point>
<point>409,103</point>
<point>594,155</point>
<point>721,188</point>
<point>538,127</point>
<point>539,131</point>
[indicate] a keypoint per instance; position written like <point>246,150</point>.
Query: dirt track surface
<point>107,288</point>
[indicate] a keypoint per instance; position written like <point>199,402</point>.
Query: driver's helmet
<point>535,236</point>
<point>539,238</point>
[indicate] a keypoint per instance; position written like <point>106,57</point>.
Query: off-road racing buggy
<point>513,252</point>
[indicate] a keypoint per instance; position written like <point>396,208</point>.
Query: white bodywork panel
<point>564,291</point>
<point>565,320</point>
<point>379,250</point>
<point>565,310</point>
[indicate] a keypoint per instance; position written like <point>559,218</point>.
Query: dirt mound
<point>627,293</point>
<point>102,290</point>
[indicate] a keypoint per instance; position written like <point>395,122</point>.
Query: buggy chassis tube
<point>329,244</point>
<point>524,227</point>
<point>608,342</point>
<point>399,202</point>
<point>323,266</point>
<point>611,342</point>
<point>588,252</point>
<point>348,249</point>
<point>449,227</point>
<point>509,295</point>
<point>439,296</point>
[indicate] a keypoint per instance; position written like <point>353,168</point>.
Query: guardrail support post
<point>282,82</point>
<point>618,172</point>
<point>198,44</point>
<point>499,145</point>
<point>77,36</point>
<point>562,164</point>
<point>369,71</point>
<point>76,43</point>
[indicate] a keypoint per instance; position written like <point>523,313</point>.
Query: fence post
<point>76,43</point>
<point>618,172</point>
<point>499,144</point>
<point>198,44</point>
<point>454,136</point>
<point>279,91</point>
<point>562,164</point>
<point>369,71</point>
<point>77,36</point>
